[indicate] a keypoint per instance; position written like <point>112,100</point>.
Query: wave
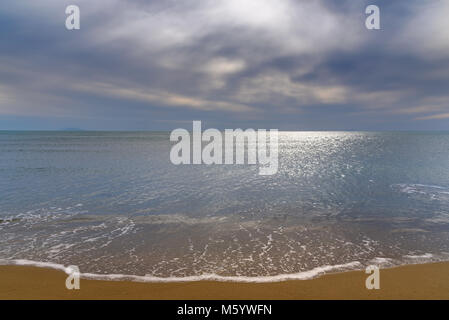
<point>416,188</point>
<point>305,275</point>
<point>381,262</point>
<point>423,256</point>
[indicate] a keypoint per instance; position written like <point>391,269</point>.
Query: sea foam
<point>305,275</point>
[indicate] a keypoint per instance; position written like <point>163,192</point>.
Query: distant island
<point>72,129</point>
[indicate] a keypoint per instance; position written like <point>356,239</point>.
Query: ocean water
<point>113,204</point>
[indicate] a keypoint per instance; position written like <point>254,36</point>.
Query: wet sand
<point>425,281</point>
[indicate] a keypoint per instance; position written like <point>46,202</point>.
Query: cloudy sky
<point>285,64</point>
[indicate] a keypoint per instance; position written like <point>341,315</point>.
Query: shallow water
<point>112,203</point>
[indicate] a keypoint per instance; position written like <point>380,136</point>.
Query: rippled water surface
<point>111,202</point>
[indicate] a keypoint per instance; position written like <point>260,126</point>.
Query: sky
<point>262,64</point>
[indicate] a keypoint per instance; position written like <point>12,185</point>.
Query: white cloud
<point>157,98</point>
<point>434,117</point>
<point>222,66</point>
<point>426,30</point>
<point>281,27</point>
<point>272,86</point>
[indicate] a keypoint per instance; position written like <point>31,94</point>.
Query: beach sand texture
<point>425,281</point>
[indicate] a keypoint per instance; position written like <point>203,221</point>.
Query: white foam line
<point>22,262</point>
<point>205,277</point>
<point>424,256</point>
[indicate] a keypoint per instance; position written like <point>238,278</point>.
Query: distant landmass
<point>72,129</point>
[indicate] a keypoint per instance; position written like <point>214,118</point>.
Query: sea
<point>115,206</point>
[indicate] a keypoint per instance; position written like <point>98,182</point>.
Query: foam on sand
<point>310,274</point>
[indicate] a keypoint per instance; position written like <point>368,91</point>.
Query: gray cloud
<point>278,64</point>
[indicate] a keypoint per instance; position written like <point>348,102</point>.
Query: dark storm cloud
<point>284,64</point>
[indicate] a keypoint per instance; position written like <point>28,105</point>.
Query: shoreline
<point>413,281</point>
<point>303,275</point>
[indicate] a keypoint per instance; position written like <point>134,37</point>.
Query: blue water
<point>112,202</point>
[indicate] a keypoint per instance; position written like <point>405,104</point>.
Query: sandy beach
<point>425,281</point>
